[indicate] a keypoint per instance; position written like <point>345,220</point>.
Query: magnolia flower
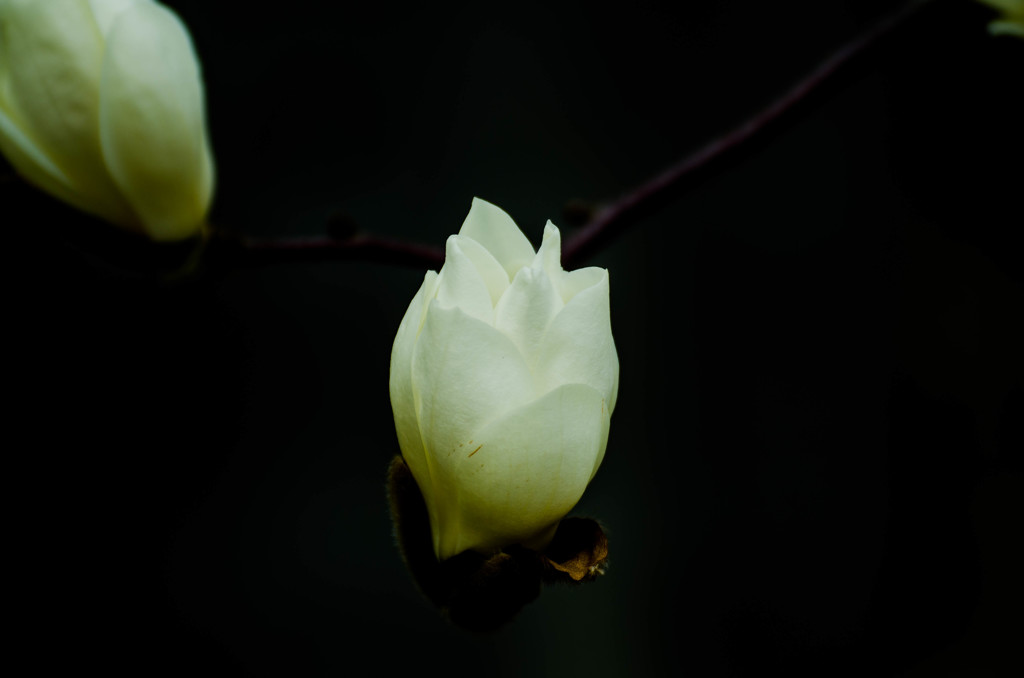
<point>101,105</point>
<point>1012,21</point>
<point>503,380</point>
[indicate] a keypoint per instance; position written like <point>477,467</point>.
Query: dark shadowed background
<point>814,465</point>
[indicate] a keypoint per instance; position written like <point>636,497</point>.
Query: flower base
<point>481,592</point>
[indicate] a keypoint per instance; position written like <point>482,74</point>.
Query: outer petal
<point>574,282</point>
<point>465,374</point>
<point>106,11</point>
<point>549,256</point>
<point>461,285</point>
<point>27,157</point>
<point>403,402</point>
<point>494,229</point>
<point>489,268</point>
<point>49,82</point>
<point>578,347</point>
<point>524,472</point>
<point>567,283</point>
<point>52,56</point>
<point>152,121</point>
<point>526,310</point>
<point>32,163</point>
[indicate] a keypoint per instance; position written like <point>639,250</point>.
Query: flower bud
<point>101,105</point>
<point>503,380</point>
<point>1012,20</point>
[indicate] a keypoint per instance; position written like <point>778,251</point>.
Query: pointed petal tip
<point>499,234</point>
<point>482,210</point>
<point>552,235</point>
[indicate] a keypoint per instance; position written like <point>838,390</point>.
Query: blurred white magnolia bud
<point>503,380</point>
<point>1012,20</point>
<point>102,105</point>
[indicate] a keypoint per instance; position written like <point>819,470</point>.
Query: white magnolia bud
<point>101,105</point>
<point>503,380</point>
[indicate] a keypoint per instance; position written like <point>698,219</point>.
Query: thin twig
<point>616,217</point>
<point>609,220</point>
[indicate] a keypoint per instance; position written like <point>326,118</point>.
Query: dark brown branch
<point>612,219</point>
<point>607,222</point>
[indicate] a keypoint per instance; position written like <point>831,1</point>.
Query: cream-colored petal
<point>465,374</point>
<point>52,55</point>
<point>527,309</point>
<point>578,347</point>
<point>524,472</point>
<point>549,254</point>
<point>490,270</point>
<point>567,283</point>
<point>30,161</point>
<point>403,401</point>
<point>50,61</point>
<point>105,12</point>
<point>576,281</point>
<point>460,284</point>
<point>494,229</point>
<point>153,121</point>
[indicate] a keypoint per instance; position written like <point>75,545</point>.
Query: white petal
<point>465,374</point>
<point>568,284</point>
<point>494,229</point>
<point>524,472</point>
<point>106,11</point>
<point>152,121</point>
<point>549,255</point>
<point>574,282</point>
<point>526,310</point>
<point>50,60</point>
<point>461,285</point>
<point>490,270</point>
<point>403,402</point>
<point>31,162</point>
<point>578,347</point>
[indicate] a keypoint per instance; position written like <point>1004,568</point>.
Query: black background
<point>814,465</point>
